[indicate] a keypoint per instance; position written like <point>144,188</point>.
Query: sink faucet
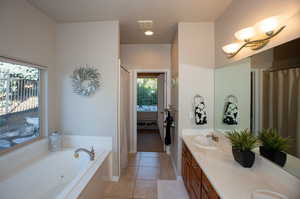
<point>90,153</point>
<point>213,137</point>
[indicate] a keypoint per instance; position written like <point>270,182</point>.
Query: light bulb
<point>149,33</point>
<point>231,48</point>
<point>245,34</point>
<point>268,25</point>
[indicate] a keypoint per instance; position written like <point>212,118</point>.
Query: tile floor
<point>139,179</point>
<point>149,140</point>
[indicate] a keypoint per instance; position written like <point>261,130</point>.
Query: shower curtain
<point>281,105</point>
<point>124,117</point>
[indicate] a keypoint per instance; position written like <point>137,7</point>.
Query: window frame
<point>43,73</point>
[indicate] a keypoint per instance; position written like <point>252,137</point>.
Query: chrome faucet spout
<point>91,153</point>
<point>213,137</point>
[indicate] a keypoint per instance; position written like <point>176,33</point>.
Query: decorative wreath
<point>85,80</point>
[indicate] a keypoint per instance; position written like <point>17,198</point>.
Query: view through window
<point>19,105</point>
<point>147,94</point>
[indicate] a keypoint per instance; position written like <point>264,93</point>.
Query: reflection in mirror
<point>265,89</point>
<point>275,96</point>
<point>232,96</point>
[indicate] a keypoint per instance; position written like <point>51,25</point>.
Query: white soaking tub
<point>56,175</point>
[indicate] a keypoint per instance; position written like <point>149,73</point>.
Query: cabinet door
<point>184,166</point>
<point>204,194</point>
<point>196,183</point>
<point>210,192</point>
<point>189,180</point>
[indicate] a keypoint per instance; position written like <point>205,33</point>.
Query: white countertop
<point>232,181</point>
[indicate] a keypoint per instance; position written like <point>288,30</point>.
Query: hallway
<point>149,141</point>
<point>139,179</point>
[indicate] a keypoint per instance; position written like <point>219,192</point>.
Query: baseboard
<point>115,178</point>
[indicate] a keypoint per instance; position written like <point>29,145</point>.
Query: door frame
<point>133,101</point>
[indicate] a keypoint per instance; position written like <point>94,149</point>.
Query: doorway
<point>150,98</point>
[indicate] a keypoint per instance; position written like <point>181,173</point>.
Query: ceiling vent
<point>145,24</point>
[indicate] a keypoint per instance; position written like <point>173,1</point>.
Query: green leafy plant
<point>242,140</point>
<point>271,140</point>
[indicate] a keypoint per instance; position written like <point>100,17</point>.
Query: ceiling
<point>164,13</point>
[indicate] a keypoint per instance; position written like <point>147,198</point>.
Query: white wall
<point>195,76</point>
<point>146,56</point>
<point>243,13</point>
<point>195,80</point>
<point>95,44</point>
<point>26,34</point>
<point>147,116</point>
<point>234,79</point>
<point>174,99</point>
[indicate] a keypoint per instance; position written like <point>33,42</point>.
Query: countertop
<point>231,180</point>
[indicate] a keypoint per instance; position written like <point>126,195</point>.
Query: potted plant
<point>242,143</point>
<point>273,146</point>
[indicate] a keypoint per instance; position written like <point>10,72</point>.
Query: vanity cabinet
<point>195,180</point>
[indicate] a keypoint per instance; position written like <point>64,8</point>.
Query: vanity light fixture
<point>245,34</point>
<point>254,37</point>
<point>149,33</point>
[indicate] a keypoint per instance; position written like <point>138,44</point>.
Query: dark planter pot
<point>245,158</point>
<point>277,157</point>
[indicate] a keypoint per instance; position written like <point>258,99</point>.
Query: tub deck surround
<point>232,181</point>
<point>56,175</point>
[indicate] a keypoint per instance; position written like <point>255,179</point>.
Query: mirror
<point>232,96</point>
<point>265,89</point>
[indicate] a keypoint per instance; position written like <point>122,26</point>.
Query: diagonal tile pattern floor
<point>139,179</point>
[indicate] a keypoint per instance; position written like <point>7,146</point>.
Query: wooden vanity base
<point>196,183</point>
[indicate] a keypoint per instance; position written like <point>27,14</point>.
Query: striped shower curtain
<point>281,105</point>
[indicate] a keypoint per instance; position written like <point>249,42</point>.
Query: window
<point>147,94</point>
<point>19,104</point>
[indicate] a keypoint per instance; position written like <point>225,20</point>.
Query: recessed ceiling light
<point>149,33</point>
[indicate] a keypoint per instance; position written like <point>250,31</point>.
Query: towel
<point>231,114</point>
<point>200,114</point>
<point>169,120</point>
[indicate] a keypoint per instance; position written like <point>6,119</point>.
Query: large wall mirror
<point>263,92</point>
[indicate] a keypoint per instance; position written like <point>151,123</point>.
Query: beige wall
<point>244,13</point>
<point>28,35</point>
<point>146,56</point>
<point>95,44</point>
<point>174,99</point>
<point>193,58</point>
<point>196,64</point>
<point>196,44</point>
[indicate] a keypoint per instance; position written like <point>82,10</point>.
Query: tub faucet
<point>90,153</point>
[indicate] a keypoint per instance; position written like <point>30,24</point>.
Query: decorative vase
<point>244,158</point>
<point>278,157</point>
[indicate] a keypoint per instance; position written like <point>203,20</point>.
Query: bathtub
<point>56,175</point>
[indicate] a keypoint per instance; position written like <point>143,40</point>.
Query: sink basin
<point>204,142</point>
<point>266,194</point>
